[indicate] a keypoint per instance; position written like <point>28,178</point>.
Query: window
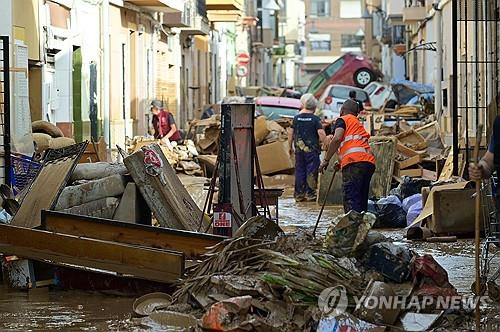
<point>320,42</point>
<point>398,34</point>
<point>350,9</point>
<point>333,68</point>
<point>321,45</point>
<point>320,8</point>
<point>343,93</point>
<point>351,40</point>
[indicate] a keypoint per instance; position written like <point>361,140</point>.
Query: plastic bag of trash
<point>413,212</point>
<point>347,232</point>
<point>390,260</point>
<point>391,199</point>
<point>410,186</point>
<point>390,215</point>
<point>409,201</point>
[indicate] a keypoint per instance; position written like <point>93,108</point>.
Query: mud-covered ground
<point>44,309</point>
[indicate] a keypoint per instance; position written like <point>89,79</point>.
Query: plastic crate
<point>23,171</point>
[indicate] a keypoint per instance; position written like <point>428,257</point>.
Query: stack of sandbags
<point>48,136</point>
<point>95,189</point>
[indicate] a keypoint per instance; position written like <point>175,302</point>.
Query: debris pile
<point>244,283</point>
<point>182,157</point>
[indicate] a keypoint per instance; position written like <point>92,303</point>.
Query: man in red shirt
<point>164,124</point>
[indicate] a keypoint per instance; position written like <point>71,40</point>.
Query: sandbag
<point>102,208</point>
<point>60,142</point>
<point>99,170</point>
<point>91,191</point>
<point>41,141</point>
<point>41,126</point>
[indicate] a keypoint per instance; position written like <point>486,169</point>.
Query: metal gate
<point>5,108</point>
<point>475,31</point>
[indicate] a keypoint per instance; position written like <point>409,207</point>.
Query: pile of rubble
<point>182,157</point>
<point>270,138</point>
<point>284,283</point>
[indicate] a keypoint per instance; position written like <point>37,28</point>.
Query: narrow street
<point>164,164</point>
<point>89,311</point>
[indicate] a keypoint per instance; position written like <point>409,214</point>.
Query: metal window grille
<point>475,70</point>
<point>5,107</point>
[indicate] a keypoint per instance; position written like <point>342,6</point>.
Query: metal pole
<point>454,85</point>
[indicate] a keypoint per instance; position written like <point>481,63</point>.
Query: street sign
<point>243,58</point>
<point>241,70</point>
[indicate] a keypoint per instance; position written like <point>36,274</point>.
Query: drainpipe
<point>105,71</point>
<point>438,32</point>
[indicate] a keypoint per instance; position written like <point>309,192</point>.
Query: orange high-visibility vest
<point>354,147</point>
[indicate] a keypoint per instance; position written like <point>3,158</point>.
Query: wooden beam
<point>192,244</point>
<point>143,263</point>
<point>161,188</point>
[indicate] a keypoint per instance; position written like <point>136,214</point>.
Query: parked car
<point>349,69</point>
<point>275,108</point>
<point>335,95</point>
<point>379,93</point>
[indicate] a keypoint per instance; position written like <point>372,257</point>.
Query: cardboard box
<point>449,209</point>
<point>261,130</point>
<point>274,157</point>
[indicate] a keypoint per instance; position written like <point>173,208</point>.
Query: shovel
<point>324,201</point>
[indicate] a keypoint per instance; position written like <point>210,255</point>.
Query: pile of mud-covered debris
<point>294,282</point>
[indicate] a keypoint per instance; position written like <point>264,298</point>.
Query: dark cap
<point>156,103</point>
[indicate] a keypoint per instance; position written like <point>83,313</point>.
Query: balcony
<point>160,5</point>
<point>192,19</point>
<point>225,5</point>
<point>414,14</point>
<point>224,15</point>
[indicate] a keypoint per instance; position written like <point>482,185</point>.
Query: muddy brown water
<point>42,310</point>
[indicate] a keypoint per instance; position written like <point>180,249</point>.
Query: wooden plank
<point>409,162</point>
<point>164,193</point>
<point>447,171</point>
<point>46,187</point>
<point>411,172</point>
<point>384,149</point>
<point>406,150</point>
<point>192,244</point>
<point>144,263</point>
<point>412,139</point>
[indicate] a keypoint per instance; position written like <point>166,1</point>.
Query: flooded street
<point>42,309</point>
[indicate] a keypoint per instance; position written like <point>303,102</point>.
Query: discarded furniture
<point>191,244</point>
<point>48,184</point>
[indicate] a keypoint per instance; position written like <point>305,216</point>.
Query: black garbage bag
<point>390,216</point>
<point>409,187</point>
<point>390,260</point>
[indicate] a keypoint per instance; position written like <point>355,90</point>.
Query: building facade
<point>333,27</point>
<point>94,66</point>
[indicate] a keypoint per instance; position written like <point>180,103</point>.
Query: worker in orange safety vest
<point>350,142</point>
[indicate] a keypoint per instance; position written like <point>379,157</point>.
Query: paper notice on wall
<point>20,119</point>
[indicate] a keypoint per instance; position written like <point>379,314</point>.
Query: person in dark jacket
<point>306,135</point>
<point>164,124</point>
<point>352,95</point>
